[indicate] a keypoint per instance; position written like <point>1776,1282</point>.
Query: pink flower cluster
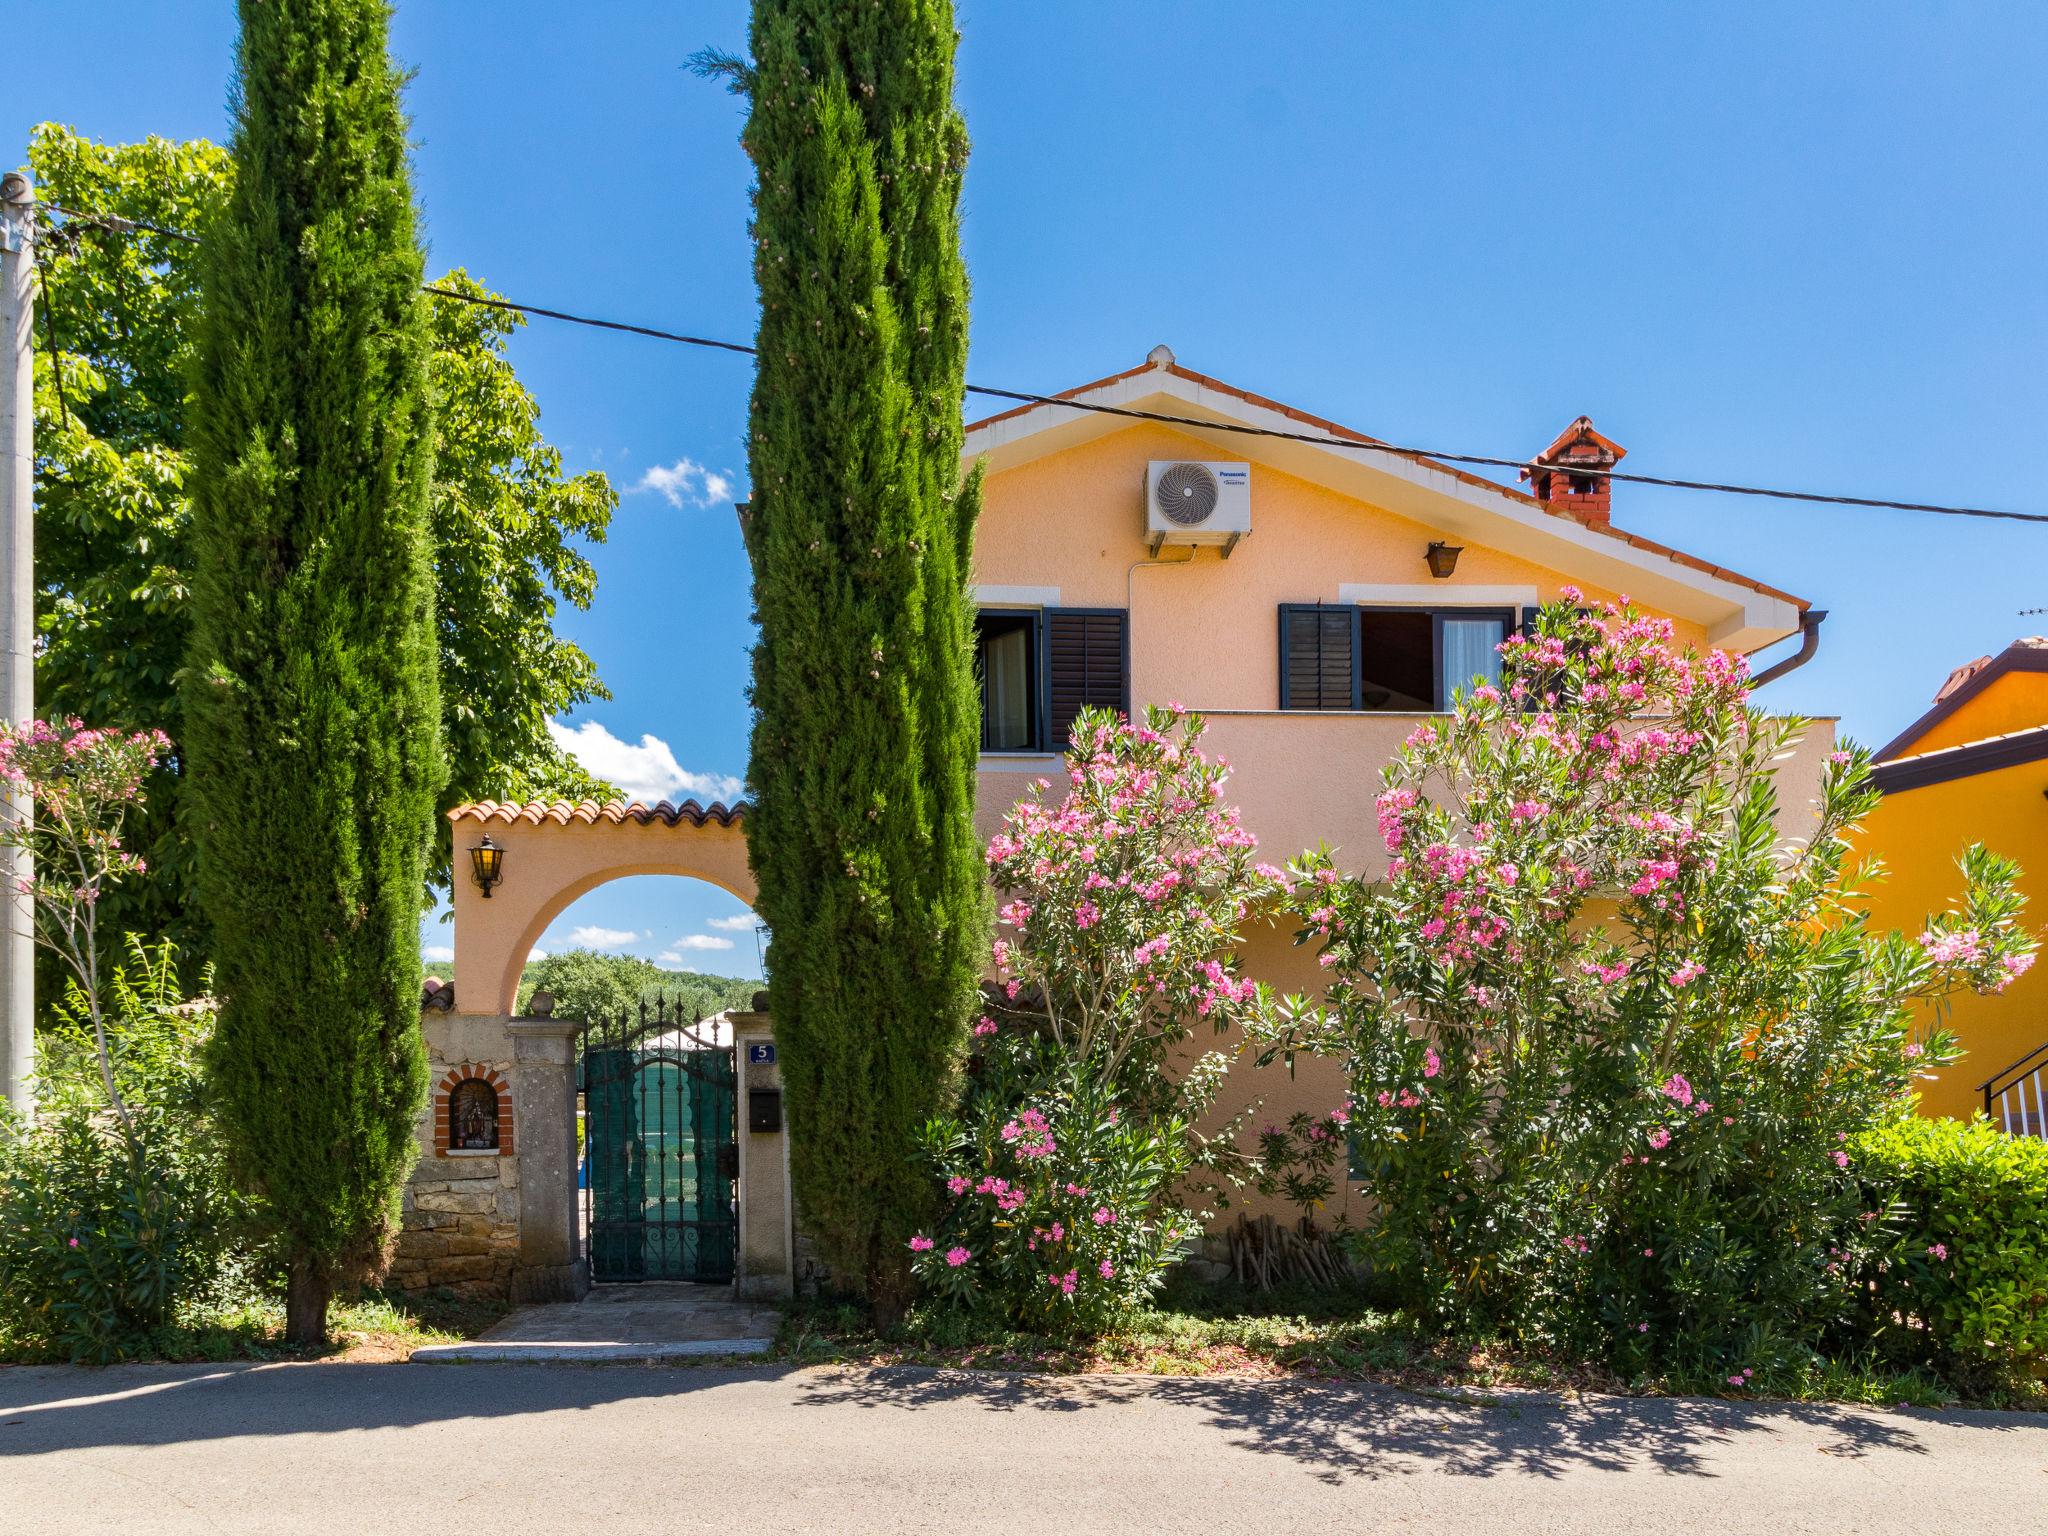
<point>1030,1135</point>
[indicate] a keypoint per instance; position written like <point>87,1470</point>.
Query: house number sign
<point>761,1053</point>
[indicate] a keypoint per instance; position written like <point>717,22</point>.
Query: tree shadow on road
<point>1340,1431</point>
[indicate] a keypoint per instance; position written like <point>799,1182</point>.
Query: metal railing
<point>2016,1098</point>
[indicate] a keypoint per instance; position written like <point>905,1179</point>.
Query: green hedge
<point>1964,1287</point>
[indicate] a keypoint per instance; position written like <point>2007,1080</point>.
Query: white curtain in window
<point>1471,653</point>
<point>1008,681</point>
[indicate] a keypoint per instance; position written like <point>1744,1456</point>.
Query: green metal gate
<point>660,1154</point>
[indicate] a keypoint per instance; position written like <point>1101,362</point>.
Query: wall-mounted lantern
<point>487,863</point>
<point>1443,558</point>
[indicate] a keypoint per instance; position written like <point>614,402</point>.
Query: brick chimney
<point>1589,498</point>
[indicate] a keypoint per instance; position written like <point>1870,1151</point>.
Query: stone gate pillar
<point>552,1266</point>
<point>765,1264</point>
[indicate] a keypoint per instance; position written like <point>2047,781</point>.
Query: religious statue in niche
<point>473,1117</point>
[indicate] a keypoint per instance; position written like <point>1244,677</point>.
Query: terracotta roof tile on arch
<point>591,812</point>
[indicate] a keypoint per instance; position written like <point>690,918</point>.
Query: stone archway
<point>554,852</point>
<point>503,1217</point>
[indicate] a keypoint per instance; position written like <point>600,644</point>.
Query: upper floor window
<point>1395,659</point>
<point>1040,667</point>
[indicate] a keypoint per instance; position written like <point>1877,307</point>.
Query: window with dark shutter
<point>1085,664</point>
<point>1318,657</point>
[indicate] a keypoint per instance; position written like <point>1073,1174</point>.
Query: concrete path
<point>660,1320</point>
<point>548,1449</point>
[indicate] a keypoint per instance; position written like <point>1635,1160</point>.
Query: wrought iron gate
<point>660,1153</point>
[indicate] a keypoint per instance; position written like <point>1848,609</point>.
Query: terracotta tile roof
<point>589,812</point>
<point>1964,684</point>
<point>1337,429</point>
<point>1946,763</point>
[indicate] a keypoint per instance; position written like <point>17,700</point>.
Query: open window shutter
<point>1318,657</point>
<point>1085,664</point>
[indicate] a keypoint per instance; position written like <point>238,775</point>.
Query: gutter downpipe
<point>1809,642</point>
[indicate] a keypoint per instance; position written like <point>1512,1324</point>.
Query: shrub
<point>1611,1032</point>
<point>108,1229</point>
<point>1125,901</point>
<point>1076,1145</point>
<point>1962,1283</point>
<point>1062,1216</point>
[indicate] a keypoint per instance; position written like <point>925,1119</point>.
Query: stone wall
<point>461,1221</point>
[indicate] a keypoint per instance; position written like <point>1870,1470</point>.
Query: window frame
<point>1512,620</point>
<point>1038,658</point>
<point>1040,647</point>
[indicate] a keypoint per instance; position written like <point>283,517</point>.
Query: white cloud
<point>744,923</point>
<point>536,953</point>
<point>589,936</point>
<point>702,941</point>
<point>686,483</point>
<point>438,952</point>
<point>647,772</point>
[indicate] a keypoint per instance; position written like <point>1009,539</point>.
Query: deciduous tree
<point>113,510</point>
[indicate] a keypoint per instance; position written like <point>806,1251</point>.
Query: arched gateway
<point>485,1212</point>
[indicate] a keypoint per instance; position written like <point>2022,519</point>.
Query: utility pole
<point>17,618</point>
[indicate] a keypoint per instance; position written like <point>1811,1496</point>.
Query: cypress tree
<point>860,530</point>
<point>310,692</point>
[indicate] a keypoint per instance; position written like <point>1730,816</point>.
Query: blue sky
<point>1792,245</point>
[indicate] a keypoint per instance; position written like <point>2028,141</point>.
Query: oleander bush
<point>1961,1283</point>
<point>111,1226</point>
<point>1073,1162</point>
<point>1615,1016</point>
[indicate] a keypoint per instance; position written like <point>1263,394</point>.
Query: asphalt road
<point>558,1449</point>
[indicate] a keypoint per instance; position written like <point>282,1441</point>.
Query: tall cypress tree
<point>866,720</point>
<point>310,693</point>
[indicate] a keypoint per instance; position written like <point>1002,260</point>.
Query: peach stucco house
<point>1313,629</point>
<point>1312,596</point>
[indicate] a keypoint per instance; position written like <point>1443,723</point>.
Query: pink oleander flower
<point>1841,1158</point>
<point>1677,1089</point>
<point>920,1244</point>
<point>959,1184</point>
<point>1104,1216</point>
<point>957,1256</point>
<point>1959,946</point>
<point>984,1026</point>
<point>1687,973</point>
<point>1431,1063</point>
<point>1939,1250</point>
<point>1658,1139</point>
<point>1105,1269</point>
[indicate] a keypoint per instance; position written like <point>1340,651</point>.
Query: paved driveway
<point>519,1448</point>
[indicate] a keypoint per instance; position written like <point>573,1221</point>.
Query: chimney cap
<point>1160,356</point>
<point>1580,443</point>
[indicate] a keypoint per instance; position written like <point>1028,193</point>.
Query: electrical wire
<point>121,225</point>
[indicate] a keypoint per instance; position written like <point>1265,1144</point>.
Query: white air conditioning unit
<point>1192,503</point>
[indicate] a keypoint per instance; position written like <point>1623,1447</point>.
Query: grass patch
<point>1197,1330</point>
<point>374,1326</point>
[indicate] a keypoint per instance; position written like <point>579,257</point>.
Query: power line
<point>1315,439</point>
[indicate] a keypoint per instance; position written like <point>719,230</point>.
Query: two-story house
<point>1313,600</point>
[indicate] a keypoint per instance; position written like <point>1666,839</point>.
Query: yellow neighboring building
<point>1974,768</point>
